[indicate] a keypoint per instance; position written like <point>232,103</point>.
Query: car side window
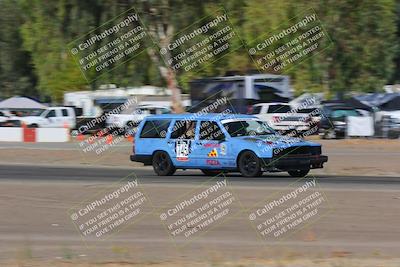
<point>210,130</point>
<point>339,113</point>
<point>51,114</point>
<point>183,130</point>
<point>165,111</point>
<point>256,110</point>
<point>2,114</point>
<point>155,129</point>
<point>64,112</point>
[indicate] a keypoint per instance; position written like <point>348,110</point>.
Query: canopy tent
<point>388,101</point>
<point>358,104</point>
<point>352,102</point>
<point>20,102</point>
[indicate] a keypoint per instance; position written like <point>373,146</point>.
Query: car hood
<point>393,114</point>
<point>277,140</point>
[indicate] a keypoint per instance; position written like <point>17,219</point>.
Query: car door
<point>59,119</point>
<point>68,120</point>
<point>50,119</point>
<point>181,143</point>
<point>212,146</point>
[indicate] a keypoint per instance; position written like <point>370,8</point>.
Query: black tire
<point>162,164</point>
<point>249,164</point>
<point>212,172</point>
<point>330,134</point>
<point>33,126</point>
<point>298,173</point>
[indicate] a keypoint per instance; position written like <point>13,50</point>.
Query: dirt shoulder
<point>290,261</point>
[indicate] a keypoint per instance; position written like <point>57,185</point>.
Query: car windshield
<point>279,109</point>
<point>247,128</point>
<point>37,112</point>
<point>43,113</point>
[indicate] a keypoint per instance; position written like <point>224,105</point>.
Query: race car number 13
<point>182,149</point>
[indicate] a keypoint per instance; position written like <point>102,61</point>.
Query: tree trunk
<point>161,29</point>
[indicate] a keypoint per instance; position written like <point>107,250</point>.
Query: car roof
<point>194,116</point>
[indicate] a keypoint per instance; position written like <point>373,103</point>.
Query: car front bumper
<point>294,162</point>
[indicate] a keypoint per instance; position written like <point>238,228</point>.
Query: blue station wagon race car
<point>216,143</point>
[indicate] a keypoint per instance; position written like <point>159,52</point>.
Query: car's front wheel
<point>249,164</point>
<point>162,164</point>
<point>298,173</point>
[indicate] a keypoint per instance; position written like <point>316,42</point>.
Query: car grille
<point>297,150</point>
<point>291,118</point>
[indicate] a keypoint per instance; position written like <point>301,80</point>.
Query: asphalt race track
<point>146,175</point>
<point>361,218</point>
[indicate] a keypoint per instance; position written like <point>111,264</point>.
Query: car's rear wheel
<point>298,173</point>
<point>162,164</point>
<point>249,164</point>
<point>212,172</point>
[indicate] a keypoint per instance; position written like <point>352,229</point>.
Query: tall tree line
<point>35,61</point>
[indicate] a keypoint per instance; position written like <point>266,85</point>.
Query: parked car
<point>128,121</point>
<point>8,120</point>
<point>282,117</point>
<point>217,143</point>
<point>52,117</point>
<point>387,124</point>
<point>314,115</point>
<point>333,123</point>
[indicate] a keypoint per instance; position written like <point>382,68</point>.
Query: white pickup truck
<point>52,117</point>
<point>281,117</point>
<point>127,121</point>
